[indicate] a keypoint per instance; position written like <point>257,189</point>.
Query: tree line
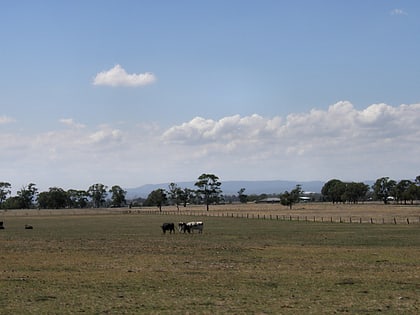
<point>384,189</point>
<point>208,192</point>
<point>98,195</point>
<point>58,198</point>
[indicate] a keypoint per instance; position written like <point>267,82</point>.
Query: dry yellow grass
<point>114,263</point>
<point>370,212</point>
<point>367,212</point>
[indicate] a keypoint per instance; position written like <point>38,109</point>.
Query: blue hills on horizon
<point>252,187</point>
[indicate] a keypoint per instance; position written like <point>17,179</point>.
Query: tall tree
<point>185,196</point>
<point>354,192</point>
<point>406,190</point>
<point>5,190</point>
<point>27,195</point>
<point>55,198</point>
<point>242,197</point>
<point>209,188</point>
<point>384,188</point>
<point>290,198</point>
<point>157,198</point>
<point>175,194</point>
<point>118,196</point>
<point>77,198</point>
<point>98,194</point>
<point>333,190</point>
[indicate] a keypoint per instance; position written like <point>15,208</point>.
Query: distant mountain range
<point>232,187</point>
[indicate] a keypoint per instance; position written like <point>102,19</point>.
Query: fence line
<point>257,216</point>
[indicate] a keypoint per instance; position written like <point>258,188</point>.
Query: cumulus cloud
<point>338,128</point>
<point>105,135</point>
<point>398,12</point>
<point>117,76</point>
<point>340,141</point>
<point>6,120</point>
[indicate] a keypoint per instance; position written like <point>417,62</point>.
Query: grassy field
<point>122,264</point>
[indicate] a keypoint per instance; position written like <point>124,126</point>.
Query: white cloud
<point>398,12</point>
<point>71,123</point>
<point>339,121</point>
<point>340,141</point>
<point>373,140</point>
<point>6,120</point>
<point>105,135</point>
<point>117,76</point>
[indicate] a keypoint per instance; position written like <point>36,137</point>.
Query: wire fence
<point>349,219</point>
<point>296,218</point>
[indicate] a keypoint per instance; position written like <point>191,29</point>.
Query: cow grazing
<point>168,227</point>
<point>196,226</point>
<point>183,227</point>
<point>191,226</point>
<point>28,227</point>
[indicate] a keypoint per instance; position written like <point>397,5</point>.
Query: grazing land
<point>120,262</point>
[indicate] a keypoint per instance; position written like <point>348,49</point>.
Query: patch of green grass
<point>123,264</point>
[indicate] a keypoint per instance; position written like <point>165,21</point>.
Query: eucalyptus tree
<point>333,190</point>
<point>5,190</point>
<point>242,197</point>
<point>292,197</point>
<point>157,198</point>
<point>186,195</point>
<point>117,196</point>
<point>97,193</point>
<point>384,188</point>
<point>27,195</point>
<point>209,188</point>
<point>175,194</point>
<point>55,198</point>
<point>354,192</point>
<point>77,198</point>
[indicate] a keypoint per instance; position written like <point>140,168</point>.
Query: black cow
<point>183,227</point>
<point>28,227</point>
<point>168,227</point>
<point>1,225</point>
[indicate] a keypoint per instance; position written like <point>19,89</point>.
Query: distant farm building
<point>269,200</point>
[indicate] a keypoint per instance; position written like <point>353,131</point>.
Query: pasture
<point>115,263</point>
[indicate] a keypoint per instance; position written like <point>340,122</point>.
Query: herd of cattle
<point>170,227</point>
<point>183,227</point>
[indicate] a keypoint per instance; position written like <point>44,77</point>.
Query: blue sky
<point>136,92</point>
